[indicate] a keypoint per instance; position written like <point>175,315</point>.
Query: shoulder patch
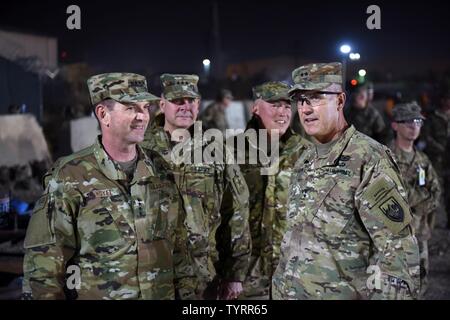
<point>40,231</point>
<point>386,203</point>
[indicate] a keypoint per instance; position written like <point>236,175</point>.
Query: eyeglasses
<point>313,99</point>
<point>412,122</point>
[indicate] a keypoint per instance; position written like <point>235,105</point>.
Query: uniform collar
<point>336,151</point>
<point>112,170</point>
<point>402,155</point>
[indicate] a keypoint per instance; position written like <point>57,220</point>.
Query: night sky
<point>175,36</point>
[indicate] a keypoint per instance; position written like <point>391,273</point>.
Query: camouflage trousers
<point>256,288</point>
<point>209,290</point>
<point>424,267</point>
<point>257,283</point>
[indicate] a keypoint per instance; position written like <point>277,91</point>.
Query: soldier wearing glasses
<point>349,233</point>
<point>419,176</point>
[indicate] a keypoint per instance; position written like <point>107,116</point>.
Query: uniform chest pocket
<point>335,204</point>
<point>158,220</point>
<point>199,179</point>
<point>309,190</point>
<point>200,193</point>
<point>102,223</point>
<point>317,200</point>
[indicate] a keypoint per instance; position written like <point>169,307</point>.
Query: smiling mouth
<point>140,127</point>
<point>310,120</point>
<point>281,121</point>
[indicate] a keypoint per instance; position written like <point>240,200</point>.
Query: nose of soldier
<point>305,108</point>
<point>141,114</point>
<point>186,105</point>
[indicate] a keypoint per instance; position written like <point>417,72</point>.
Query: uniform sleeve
<point>384,212</point>
<point>49,243</point>
<point>432,143</point>
<point>207,118</point>
<point>435,195</point>
<point>185,279</point>
<point>234,240</point>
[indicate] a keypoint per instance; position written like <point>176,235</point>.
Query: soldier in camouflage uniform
<point>363,116</point>
<point>110,211</point>
<point>349,233</point>
<point>437,136</point>
<point>268,199</point>
<point>420,178</point>
<point>202,186</point>
<point>213,117</point>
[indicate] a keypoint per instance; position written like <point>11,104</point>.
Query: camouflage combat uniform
<point>202,186</point>
<point>268,197</point>
<point>347,210</point>
<point>423,186</point>
<point>214,117</point>
<point>368,121</point>
<point>122,235</point>
<point>268,200</point>
<point>423,198</point>
<point>349,233</point>
<point>437,136</point>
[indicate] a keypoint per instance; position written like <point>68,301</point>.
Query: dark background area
<point>175,36</point>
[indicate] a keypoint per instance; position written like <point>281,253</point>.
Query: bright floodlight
<point>362,72</point>
<point>354,56</point>
<point>206,62</point>
<point>345,48</point>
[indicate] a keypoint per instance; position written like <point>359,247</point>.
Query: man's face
<point>180,113</point>
<point>409,130</point>
<point>128,122</point>
<point>319,114</point>
<point>360,99</point>
<point>274,115</point>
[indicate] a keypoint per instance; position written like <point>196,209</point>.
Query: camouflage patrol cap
<point>119,86</point>
<point>177,86</point>
<point>407,111</point>
<point>317,76</point>
<point>272,91</point>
